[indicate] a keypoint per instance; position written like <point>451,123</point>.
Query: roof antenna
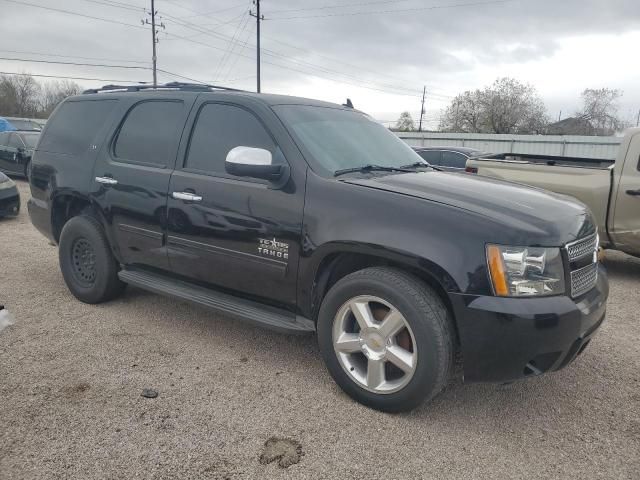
<point>349,104</point>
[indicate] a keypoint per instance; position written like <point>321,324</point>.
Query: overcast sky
<point>379,53</point>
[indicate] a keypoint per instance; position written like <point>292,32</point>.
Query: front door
<point>626,216</point>
<point>131,177</point>
<point>232,232</point>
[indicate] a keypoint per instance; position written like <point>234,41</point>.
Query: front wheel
<point>386,338</point>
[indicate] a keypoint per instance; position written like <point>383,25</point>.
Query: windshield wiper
<point>421,165</point>
<point>370,168</point>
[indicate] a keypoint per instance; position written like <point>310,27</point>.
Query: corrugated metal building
<point>562,145</point>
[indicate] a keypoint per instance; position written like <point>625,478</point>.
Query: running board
<point>254,312</point>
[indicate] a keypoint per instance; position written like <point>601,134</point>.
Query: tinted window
<point>74,125</point>
<point>431,156</point>
<point>15,142</point>
<point>4,139</point>
<point>453,159</point>
<point>334,138</point>
<point>25,125</point>
<point>30,139</point>
<point>149,133</point>
<point>220,128</point>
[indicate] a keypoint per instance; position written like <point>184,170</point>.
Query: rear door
<point>132,172</point>
<point>237,233</point>
<point>626,212</point>
<point>4,151</point>
<point>12,153</point>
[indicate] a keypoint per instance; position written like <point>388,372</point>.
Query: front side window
<point>218,129</point>
<point>14,141</point>
<point>149,133</point>
<point>453,160</point>
<point>336,139</point>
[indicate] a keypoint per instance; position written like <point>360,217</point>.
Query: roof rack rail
<point>187,87</point>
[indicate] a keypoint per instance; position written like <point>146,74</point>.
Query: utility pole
<point>638,120</point>
<point>259,18</point>
<point>560,115</point>
<point>424,92</point>
<point>154,39</point>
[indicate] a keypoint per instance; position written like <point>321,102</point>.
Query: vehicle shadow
<point>622,266</point>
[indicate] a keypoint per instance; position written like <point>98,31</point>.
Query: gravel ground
<point>71,378</point>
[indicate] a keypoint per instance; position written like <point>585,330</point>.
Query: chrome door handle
<point>633,193</point>
<point>189,197</point>
<point>107,180</point>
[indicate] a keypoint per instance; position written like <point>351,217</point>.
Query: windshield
<point>334,139</point>
<point>30,140</point>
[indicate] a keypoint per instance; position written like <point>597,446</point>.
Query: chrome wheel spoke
<point>401,358</point>
<point>348,343</point>
<point>379,335</point>
<point>363,314</point>
<point>375,373</point>
<point>392,324</point>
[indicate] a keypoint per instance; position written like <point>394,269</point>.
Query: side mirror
<point>252,162</point>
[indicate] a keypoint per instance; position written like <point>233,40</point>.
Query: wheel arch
<point>342,260</point>
<point>66,205</point>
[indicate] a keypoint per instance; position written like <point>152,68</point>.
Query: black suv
<point>307,216</point>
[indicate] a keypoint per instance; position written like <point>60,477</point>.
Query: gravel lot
<point>71,378</point>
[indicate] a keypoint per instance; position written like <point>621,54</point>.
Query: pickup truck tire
<point>88,266</point>
<point>422,344</point>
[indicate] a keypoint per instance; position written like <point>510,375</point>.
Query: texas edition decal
<point>273,248</point>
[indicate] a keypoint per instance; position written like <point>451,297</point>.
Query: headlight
<point>525,271</point>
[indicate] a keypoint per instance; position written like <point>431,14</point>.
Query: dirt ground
<point>238,402</point>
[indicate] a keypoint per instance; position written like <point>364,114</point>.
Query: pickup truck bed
<point>611,189</point>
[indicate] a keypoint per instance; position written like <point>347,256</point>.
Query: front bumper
<point>9,202</point>
<point>505,339</point>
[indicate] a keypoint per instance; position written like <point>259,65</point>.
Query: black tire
<point>428,319</point>
<point>88,266</point>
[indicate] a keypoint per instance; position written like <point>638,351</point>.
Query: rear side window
<point>431,156</point>
<point>4,139</point>
<point>74,126</point>
<point>453,159</point>
<point>220,128</point>
<point>149,132</point>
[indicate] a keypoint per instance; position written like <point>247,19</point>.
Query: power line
<point>404,10</point>
<point>74,63</point>
<point>342,5</point>
<point>22,52</point>
<point>208,14</point>
<point>22,74</point>
<point>68,12</point>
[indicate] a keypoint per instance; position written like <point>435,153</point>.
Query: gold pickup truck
<point>611,189</point>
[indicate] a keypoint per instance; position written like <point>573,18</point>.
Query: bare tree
<point>405,123</point>
<point>19,95</point>
<point>507,106</point>
<point>54,92</point>
<point>600,110</point>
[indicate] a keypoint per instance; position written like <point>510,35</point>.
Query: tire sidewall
<point>430,356</point>
<point>87,228</point>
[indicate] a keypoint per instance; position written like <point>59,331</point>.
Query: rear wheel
<point>386,338</point>
<point>88,266</point>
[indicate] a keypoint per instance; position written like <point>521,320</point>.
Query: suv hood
<point>540,215</point>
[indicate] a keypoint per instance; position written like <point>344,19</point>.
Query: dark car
<point>448,158</point>
<point>16,149</point>
<point>306,216</point>
<point>9,197</point>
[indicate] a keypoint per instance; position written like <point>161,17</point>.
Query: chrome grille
<point>584,279</point>
<point>583,247</point>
